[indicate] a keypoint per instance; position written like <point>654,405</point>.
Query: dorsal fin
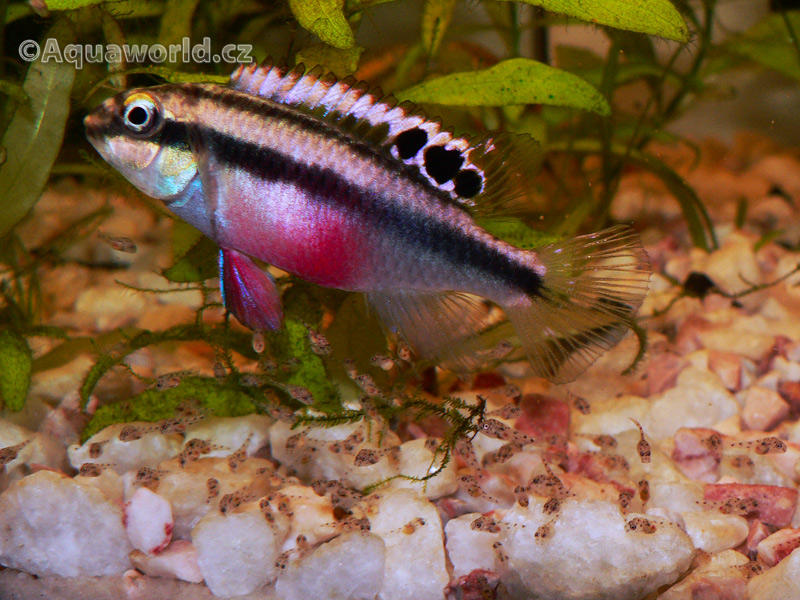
<point>484,174</point>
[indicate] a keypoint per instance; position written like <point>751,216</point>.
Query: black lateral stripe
<point>265,108</point>
<point>424,232</point>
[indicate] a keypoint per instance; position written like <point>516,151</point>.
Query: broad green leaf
<point>219,398</point>
<point>513,81</point>
<point>33,137</point>
<point>198,264</point>
<point>183,237</point>
<point>770,44</point>
<point>325,19</point>
<point>340,62</point>
<point>15,369</point>
<point>436,17</point>
<point>655,17</point>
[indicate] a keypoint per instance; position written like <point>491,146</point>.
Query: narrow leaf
<point>655,17</point>
<point>325,19</point>
<point>513,81</point>
<point>15,374</point>
<point>436,17</point>
<point>699,223</point>
<point>33,137</point>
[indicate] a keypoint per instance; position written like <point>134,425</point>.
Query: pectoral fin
<point>249,292</point>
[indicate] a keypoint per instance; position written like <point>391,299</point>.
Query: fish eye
<point>140,114</point>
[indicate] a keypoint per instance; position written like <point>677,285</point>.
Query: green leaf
<point>325,19</point>
<point>33,137</point>
<point>15,374</point>
<point>513,81</point>
<point>219,398</point>
<point>340,62</point>
<point>655,17</point>
<point>436,17</point>
<point>770,44</point>
<point>199,263</point>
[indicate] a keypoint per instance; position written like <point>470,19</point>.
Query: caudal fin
<point>592,288</point>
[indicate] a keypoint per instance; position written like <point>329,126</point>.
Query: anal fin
<point>443,327</point>
<point>249,292</point>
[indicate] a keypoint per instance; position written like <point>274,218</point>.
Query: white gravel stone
<point>611,415</point>
<point>51,525</point>
<point>229,433</point>
<point>720,578</point>
<point>312,516</point>
<point>237,552</point>
<point>40,449</point>
<point>177,561</point>
<point>109,482</point>
<point>781,581</point>
<point>588,554</point>
<point>186,488</point>
<point>149,450</point>
<point>714,531</point>
<point>148,521</point>
<point>698,400</point>
<point>415,558</point>
<point>350,567</point>
<point>469,549</point>
<point>417,461</point>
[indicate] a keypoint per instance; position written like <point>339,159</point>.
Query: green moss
<point>311,373</point>
<point>219,398</point>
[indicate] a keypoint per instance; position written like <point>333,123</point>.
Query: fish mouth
<point>91,124</point>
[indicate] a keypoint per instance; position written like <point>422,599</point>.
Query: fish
<point>329,180</point>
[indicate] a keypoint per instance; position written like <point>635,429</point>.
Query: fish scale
<point>325,179</point>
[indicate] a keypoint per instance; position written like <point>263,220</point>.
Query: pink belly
<point>310,240</point>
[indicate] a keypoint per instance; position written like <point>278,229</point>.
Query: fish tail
<point>591,288</point>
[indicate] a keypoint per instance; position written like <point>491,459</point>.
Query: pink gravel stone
<point>763,409</point>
